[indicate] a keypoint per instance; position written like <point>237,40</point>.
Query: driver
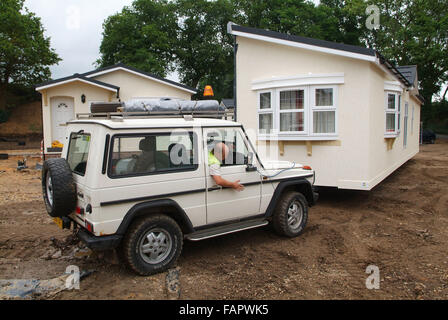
<point>215,159</point>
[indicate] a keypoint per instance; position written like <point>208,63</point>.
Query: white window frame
<point>279,111</point>
<point>308,111</point>
<point>315,108</point>
<point>396,111</point>
<point>266,111</point>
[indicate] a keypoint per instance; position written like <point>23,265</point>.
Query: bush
<point>435,117</point>
<point>4,115</point>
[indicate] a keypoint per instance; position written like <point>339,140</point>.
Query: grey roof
<point>305,40</point>
<point>78,76</point>
<point>121,65</point>
<point>409,72</point>
<point>324,44</point>
<point>84,76</point>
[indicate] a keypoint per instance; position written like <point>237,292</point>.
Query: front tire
<point>291,215</point>
<point>152,245</point>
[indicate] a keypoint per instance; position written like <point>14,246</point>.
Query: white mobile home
<point>63,98</point>
<point>344,110</point>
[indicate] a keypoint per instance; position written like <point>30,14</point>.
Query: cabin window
<point>292,111</point>
<point>324,111</point>
<point>299,113</point>
<point>265,112</point>
<point>393,114</point>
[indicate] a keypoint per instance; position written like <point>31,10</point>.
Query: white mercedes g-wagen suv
<point>141,185</point>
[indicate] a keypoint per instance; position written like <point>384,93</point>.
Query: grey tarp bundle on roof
<point>170,105</point>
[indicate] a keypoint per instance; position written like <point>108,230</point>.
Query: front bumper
<point>99,243</point>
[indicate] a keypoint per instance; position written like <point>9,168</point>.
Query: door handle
<point>217,188</point>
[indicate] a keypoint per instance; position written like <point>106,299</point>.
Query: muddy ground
<point>401,227</point>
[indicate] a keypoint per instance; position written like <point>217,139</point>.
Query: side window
<point>393,114</point>
<point>233,139</point>
<point>78,152</point>
<point>152,154</point>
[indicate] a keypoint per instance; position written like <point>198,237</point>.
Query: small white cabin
<point>344,110</point>
<point>63,98</point>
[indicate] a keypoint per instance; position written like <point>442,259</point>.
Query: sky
<point>75,28</point>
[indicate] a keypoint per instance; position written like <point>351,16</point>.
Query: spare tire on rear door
<point>58,188</point>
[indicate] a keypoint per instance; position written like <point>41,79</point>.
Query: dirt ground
<point>401,227</point>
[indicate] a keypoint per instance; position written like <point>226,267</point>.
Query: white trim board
<point>138,74</point>
<point>73,80</point>
<point>393,86</point>
<point>299,80</point>
<point>306,46</point>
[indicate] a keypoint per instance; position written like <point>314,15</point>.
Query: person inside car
<point>215,158</point>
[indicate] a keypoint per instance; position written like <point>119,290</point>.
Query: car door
<point>225,204</point>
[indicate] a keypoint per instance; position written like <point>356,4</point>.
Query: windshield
<point>78,152</point>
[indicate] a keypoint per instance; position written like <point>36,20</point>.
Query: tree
<point>415,32</point>
<point>204,49</point>
<point>343,21</point>
<point>142,35</point>
<point>25,53</point>
<point>191,35</point>
<point>297,17</point>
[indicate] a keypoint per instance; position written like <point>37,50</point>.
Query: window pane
<point>233,139</point>
<point>324,122</point>
<point>78,153</point>
<point>391,101</point>
<point>324,97</point>
<point>152,154</point>
<point>265,100</point>
<point>291,99</point>
<point>291,121</point>
<point>265,123</point>
<point>390,122</point>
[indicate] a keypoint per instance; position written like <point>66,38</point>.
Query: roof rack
<point>189,115</point>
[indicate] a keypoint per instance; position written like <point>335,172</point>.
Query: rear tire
<point>152,245</point>
<point>291,215</point>
<point>58,188</point>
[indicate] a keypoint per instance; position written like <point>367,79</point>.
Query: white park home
<point>344,110</point>
<point>63,98</point>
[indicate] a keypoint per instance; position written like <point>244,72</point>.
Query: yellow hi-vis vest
<point>212,159</point>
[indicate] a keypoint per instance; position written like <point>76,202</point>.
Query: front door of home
<point>62,112</point>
